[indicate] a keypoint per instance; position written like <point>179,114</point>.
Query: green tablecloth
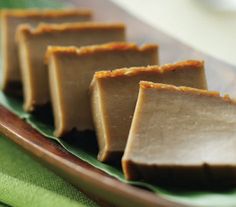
<point>25,182</point>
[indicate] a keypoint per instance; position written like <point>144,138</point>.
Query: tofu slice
<point>180,136</point>
<point>33,45</point>
<point>11,19</point>
<point>114,95</point>
<point>71,71</point>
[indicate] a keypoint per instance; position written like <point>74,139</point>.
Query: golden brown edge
<point>185,90</point>
<point>191,64</point>
<point>48,28</point>
<point>22,30</point>
<point>86,50</point>
<point>44,28</point>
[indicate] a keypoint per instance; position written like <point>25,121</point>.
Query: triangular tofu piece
<point>33,45</point>
<point>114,95</point>
<point>180,136</point>
<point>11,19</point>
<point>71,71</point>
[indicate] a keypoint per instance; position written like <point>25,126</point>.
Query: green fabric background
<point>25,182</point>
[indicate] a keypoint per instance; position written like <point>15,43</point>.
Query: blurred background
<point>207,25</point>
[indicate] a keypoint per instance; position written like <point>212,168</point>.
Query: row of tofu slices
<point>160,120</point>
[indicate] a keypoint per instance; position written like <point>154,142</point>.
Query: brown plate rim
<point>78,172</point>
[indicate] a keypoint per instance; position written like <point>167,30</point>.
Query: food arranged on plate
<point>11,19</point>
<point>186,135</point>
<point>72,110</point>
<point>33,43</point>
<point>160,131</point>
<point>114,95</point>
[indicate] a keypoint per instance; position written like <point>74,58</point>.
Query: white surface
<point>209,29</point>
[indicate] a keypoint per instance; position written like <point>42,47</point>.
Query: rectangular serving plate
<point>94,182</point>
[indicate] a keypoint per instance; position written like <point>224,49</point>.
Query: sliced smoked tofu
<point>33,43</point>
<point>11,19</point>
<point>71,71</point>
<point>114,95</point>
<point>181,136</point>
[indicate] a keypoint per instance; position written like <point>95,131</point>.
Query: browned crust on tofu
<point>87,50</point>
<point>48,28</point>
<point>191,64</point>
<point>26,29</point>
<point>53,13</point>
<point>185,90</point>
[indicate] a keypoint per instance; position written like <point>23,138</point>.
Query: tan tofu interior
<point>33,44</point>
<point>11,19</point>
<point>181,134</point>
<point>167,134</point>
<point>71,71</point>
<point>114,95</point>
